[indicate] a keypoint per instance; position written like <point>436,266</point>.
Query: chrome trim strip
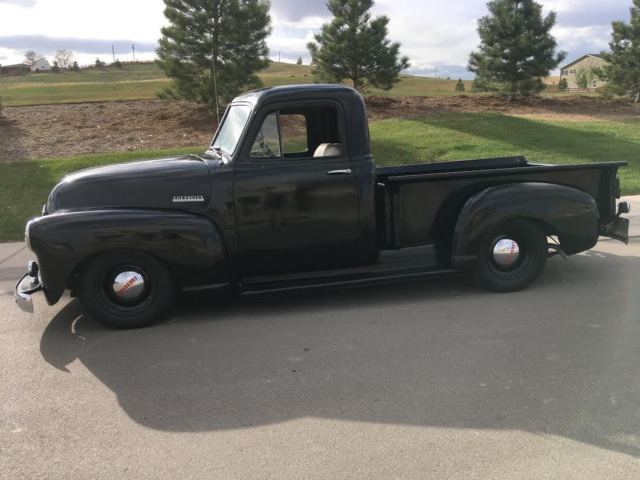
<point>200,288</point>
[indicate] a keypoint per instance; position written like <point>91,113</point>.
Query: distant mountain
<point>443,71</point>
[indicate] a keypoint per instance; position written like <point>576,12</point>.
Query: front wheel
<point>125,290</point>
<point>512,256</point>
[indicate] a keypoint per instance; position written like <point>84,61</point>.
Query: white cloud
<point>20,3</point>
<point>433,34</point>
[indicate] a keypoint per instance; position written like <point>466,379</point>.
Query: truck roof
<point>298,92</point>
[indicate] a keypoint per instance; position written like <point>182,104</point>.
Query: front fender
<point>189,245</point>
<point>569,213</point>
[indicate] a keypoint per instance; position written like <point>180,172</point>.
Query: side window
<point>267,144</point>
<point>293,128</point>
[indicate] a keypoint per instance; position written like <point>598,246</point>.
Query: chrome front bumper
<point>26,287</point>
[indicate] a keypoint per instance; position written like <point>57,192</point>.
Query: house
<point>40,65</point>
<point>585,65</point>
<point>17,69</point>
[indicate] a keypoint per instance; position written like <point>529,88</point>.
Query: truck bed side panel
<point>417,206</point>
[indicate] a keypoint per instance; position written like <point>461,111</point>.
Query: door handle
<point>340,172</point>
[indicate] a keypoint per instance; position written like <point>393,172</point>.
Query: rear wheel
<point>126,290</point>
<point>512,256</point>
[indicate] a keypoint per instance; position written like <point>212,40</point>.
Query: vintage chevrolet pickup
<point>288,197</point>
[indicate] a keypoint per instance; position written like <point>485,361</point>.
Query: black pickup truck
<point>288,197</point>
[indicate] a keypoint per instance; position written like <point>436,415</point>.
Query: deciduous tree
<point>64,58</point>
<point>356,47</point>
<point>30,57</point>
<point>517,49</point>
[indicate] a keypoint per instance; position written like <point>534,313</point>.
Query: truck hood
<point>171,183</point>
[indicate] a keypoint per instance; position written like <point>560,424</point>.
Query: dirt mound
<point>65,130</point>
<point>384,107</point>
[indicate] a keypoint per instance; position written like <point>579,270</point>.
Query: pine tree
<point>213,48</point>
<point>299,62</point>
<point>623,71</point>
<point>460,86</point>
<point>354,46</point>
<point>56,67</point>
<point>517,49</point>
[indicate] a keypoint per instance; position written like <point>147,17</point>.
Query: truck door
<point>296,193</point>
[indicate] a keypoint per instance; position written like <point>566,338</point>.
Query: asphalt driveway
<point>428,380</point>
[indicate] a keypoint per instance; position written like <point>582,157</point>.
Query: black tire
<point>102,302</point>
<point>528,266</point>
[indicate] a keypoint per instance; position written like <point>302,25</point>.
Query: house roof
<point>16,65</point>
<point>597,55</point>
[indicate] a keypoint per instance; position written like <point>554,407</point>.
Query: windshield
<point>231,129</point>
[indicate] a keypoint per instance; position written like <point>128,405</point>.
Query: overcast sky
<point>436,35</point>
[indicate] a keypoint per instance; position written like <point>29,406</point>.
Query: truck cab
<point>288,197</point>
<point>303,179</point>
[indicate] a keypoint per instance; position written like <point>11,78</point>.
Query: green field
<point>453,136</point>
<point>143,81</point>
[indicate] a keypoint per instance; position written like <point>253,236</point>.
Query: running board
<point>393,267</point>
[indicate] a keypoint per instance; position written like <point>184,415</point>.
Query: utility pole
<point>133,49</point>
<point>214,55</point>
<point>113,52</point>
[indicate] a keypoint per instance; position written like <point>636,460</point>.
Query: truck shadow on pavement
<point>561,358</point>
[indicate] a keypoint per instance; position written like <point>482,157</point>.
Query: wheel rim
<point>509,254</point>
<point>126,286</point>
<point>129,286</point>
<point>506,253</point>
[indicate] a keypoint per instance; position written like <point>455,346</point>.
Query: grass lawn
<point>455,136</point>
<point>24,186</point>
<point>143,81</point>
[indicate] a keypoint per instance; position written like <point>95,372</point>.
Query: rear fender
<point>189,245</point>
<point>569,213</point>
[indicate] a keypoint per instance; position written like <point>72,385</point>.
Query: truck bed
<point>413,200</point>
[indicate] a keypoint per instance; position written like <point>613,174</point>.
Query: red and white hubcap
<point>128,285</point>
<point>506,252</point>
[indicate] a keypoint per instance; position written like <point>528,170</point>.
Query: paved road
<point>429,380</point>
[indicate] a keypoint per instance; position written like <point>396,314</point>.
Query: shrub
<point>563,85</point>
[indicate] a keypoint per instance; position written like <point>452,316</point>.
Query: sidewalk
<point>14,256</point>
<point>13,262</point>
